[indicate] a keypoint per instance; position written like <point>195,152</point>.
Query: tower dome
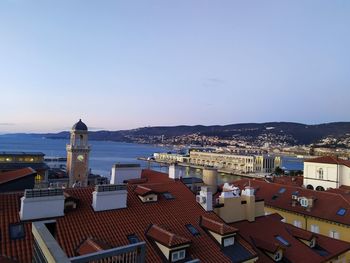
<point>80,126</point>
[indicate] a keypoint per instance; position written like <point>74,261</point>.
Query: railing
<point>133,253</point>
<point>110,187</point>
<point>31,193</point>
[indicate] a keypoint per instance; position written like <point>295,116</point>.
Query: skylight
<point>193,230</point>
<point>282,241</point>
<point>341,212</point>
<point>168,196</point>
<point>133,239</point>
<point>274,197</point>
<point>17,231</point>
<point>282,190</point>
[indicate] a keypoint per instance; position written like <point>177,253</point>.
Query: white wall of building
<point>120,174</point>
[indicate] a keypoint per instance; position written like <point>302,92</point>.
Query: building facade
<point>239,163</point>
<point>326,172</point>
<point>78,155</point>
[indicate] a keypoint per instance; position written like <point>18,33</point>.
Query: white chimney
<point>172,172</point>
<point>230,191</point>
<point>109,197</point>
<point>123,172</point>
<point>41,203</point>
<point>205,198</point>
<point>248,191</point>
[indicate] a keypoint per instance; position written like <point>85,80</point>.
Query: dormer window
<point>278,255</point>
<point>229,241</point>
<point>146,194</point>
<point>178,255</point>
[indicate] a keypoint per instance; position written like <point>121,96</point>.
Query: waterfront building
<point>321,212</point>
<point>78,155</point>
<point>150,219</point>
<point>170,157</point>
<point>326,172</point>
<point>239,163</point>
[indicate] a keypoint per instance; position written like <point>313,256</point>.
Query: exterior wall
<point>102,201</point>
<point>344,175</point>
<point>327,178</point>
<point>232,211</point>
<point>77,167</point>
<point>170,157</point>
<point>240,163</point>
<point>324,226</point>
<point>120,174</point>
<point>32,208</point>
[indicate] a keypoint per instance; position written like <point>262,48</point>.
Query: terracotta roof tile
<point>16,174</point>
<point>113,227</point>
<point>325,206</point>
<point>91,245</point>
<point>165,237</point>
<point>262,235</point>
<point>329,159</point>
<point>217,226</point>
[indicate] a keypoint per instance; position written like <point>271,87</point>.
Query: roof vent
<point>34,200</point>
<point>109,197</point>
<point>205,198</point>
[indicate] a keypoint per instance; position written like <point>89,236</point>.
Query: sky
<point>128,64</point>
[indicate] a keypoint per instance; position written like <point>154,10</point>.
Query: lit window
<point>178,255</point>
<point>315,229</point>
<point>341,212</point>
<point>17,231</point>
<point>193,230</point>
<point>229,241</point>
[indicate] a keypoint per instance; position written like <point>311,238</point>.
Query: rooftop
<point>268,233</point>
<point>329,160</point>
<point>16,174</point>
<point>112,228</point>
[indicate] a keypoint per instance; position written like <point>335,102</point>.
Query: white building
<point>326,172</point>
<point>241,163</point>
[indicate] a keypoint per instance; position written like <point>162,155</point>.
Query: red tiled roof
<point>217,226</point>
<point>91,245</point>
<point>142,190</point>
<point>113,227</point>
<point>271,247</point>
<point>262,235</point>
<point>136,181</point>
<point>325,206</point>
<point>329,159</point>
<point>165,237</point>
<point>16,174</point>
<point>287,180</point>
<point>300,233</point>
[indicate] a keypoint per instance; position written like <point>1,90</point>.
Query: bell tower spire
<point>78,155</point>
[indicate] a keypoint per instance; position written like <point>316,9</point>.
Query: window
<point>278,256</point>
<point>297,223</point>
<point>178,255</point>
<point>229,241</point>
<point>17,231</point>
<point>304,202</point>
<point>282,241</point>
<point>168,196</point>
<point>341,212</point>
<point>320,173</point>
<point>274,197</point>
<point>133,239</point>
<point>193,230</point>
<point>315,229</point>
<point>334,234</point>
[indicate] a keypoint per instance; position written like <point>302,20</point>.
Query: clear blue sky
<point>126,64</point>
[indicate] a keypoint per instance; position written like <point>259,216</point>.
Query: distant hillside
<point>294,133</point>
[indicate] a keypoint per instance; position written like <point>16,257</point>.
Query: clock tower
<point>78,155</point>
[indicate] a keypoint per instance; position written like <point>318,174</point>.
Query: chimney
<point>210,178</point>
<point>41,203</point>
<point>205,198</point>
<point>249,197</point>
<point>109,197</point>
<point>172,172</point>
<point>230,191</point>
<point>124,172</point>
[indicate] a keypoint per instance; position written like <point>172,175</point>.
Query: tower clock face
<point>80,157</point>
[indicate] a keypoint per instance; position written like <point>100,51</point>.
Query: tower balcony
<point>72,148</point>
